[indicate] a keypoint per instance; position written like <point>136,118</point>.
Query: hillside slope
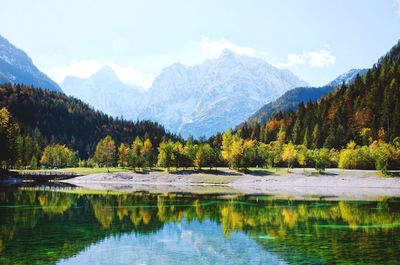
<point>16,67</point>
<point>368,107</point>
<point>292,98</point>
<point>62,119</point>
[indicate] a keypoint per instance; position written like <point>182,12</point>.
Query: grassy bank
<point>77,170</point>
<point>87,171</point>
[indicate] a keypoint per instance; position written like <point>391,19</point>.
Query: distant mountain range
<point>292,98</point>
<point>200,100</point>
<point>105,92</point>
<point>16,67</point>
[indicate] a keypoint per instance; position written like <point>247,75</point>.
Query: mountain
<point>292,98</point>
<point>16,67</point>
<point>57,118</point>
<point>214,96</point>
<point>105,92</point>
<point>367,107</point>
<point>200,100</point>
<point>347,77</point>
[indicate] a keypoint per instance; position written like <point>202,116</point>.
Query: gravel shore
<point>343,184</point>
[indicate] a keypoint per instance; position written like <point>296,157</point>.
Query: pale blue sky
<point>315,39</point>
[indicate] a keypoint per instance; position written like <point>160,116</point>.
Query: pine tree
<point>34,163</point>
<point>306,138</point>
<point>316,136</point>
<point>296,131</point>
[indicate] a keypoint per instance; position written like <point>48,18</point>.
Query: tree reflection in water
<point>43,226</point>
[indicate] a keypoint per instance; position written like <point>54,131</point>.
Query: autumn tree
<point>236,152</point>
<point>9,131</point>
<point>147,153</point>
<point>165,154</point>
<point>205,156</point>
<point>232,149</point>
<point>190,150</point>
<point>321,158</point>
<point>356,157</point>
<point>105,152</point>
<point>58,155</point>
<point>200,158</point>
<point>366,135</point>
<point>135,158</point>
<point>227,142</point>
<point>301,157</point>
<point>289,154</point>
<point>264,154</point>
<point>249,153</point>
<point>178,155</point>
<point>385,155</point>
<point>123,153</point>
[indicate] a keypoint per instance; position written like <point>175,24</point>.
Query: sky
<point>315,39</point>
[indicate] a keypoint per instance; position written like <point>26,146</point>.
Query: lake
<point>53,225</point>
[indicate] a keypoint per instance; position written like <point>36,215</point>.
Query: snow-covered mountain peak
<point>199,100</point>
<point>227,54</point>
<point>204,99</point>
<point>106,72</point>
<point>17,67</point>
<point>347,77</point>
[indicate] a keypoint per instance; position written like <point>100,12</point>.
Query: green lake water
<point>47,225</point>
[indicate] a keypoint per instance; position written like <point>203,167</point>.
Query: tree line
<point>233,151</point>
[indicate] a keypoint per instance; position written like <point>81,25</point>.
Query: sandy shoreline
<point>346,184</point>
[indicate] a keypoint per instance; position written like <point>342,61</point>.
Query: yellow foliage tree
<point>123,152</point>
<point>289,154</point>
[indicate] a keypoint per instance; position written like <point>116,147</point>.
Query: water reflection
<point>71,226</point>
<point>178,243</point>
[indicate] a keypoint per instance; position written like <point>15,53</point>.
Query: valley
<point>199,132</point>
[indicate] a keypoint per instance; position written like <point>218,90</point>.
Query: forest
<point>25,152</point>
<point>355,112</point>
<point>355,126</point>
<point>37,118</point>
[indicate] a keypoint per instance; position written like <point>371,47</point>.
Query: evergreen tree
<point>34,163</point>
<point>306,138</point>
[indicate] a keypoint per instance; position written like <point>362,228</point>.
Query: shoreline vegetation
<point>230,150</point>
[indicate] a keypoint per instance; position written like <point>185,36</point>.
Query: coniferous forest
<point>353,112</point>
